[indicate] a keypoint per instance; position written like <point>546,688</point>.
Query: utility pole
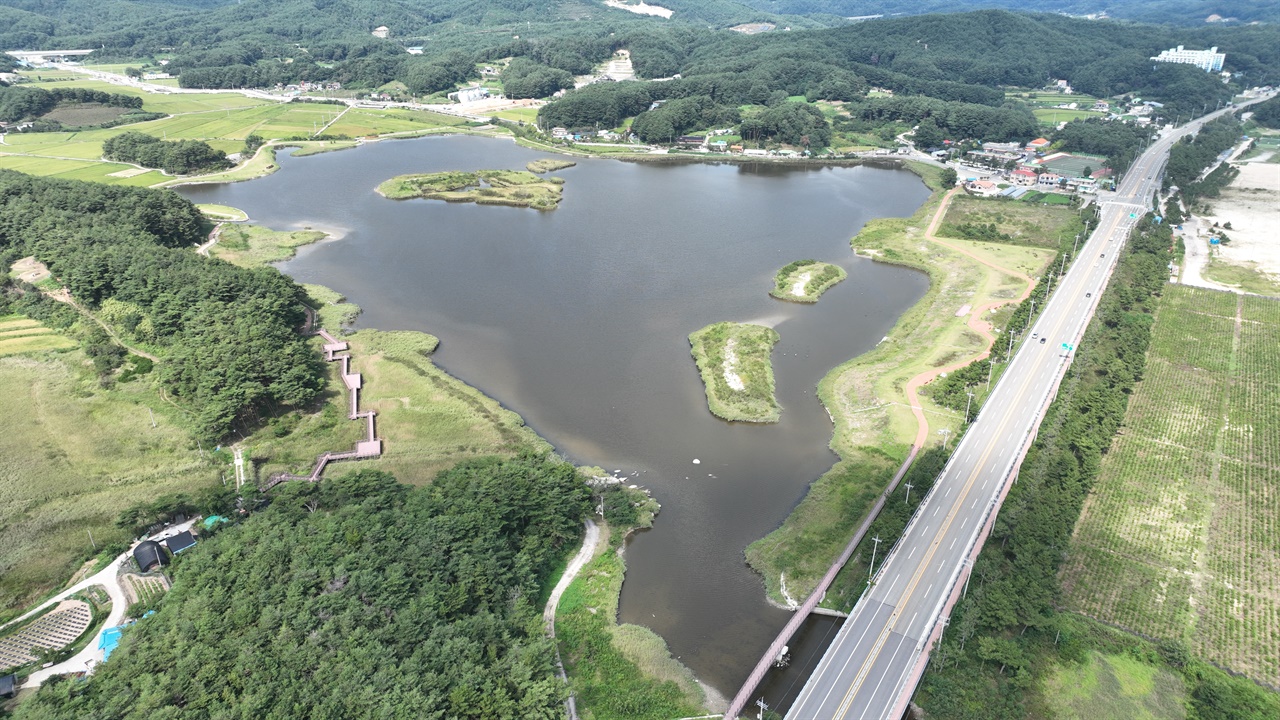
<point>91,542</point>
<point>871,568</point>
<point>991,366</point>
<point>966,579</point>
<point>945,433</point>
<point>966,407</point>
<point>153,418</point>
<point>763,706</point>
<point>908,498</point>
<point>1076,244</point>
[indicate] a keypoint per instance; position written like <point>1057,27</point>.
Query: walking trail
<point>976,322</point>
<point>589,544</point>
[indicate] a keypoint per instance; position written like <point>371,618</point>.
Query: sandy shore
<point>1251,203</point>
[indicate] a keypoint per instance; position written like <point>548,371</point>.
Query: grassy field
<point>546,165</point>
<point>618,672</point>
<point>253,245</point>
<point>19,335</point>
<point>1021,223</point>
<point>810,277</point>
<point>428,420</point>
<point>1246,277</point>
<point>1115,687</point>
<point>223,120</point>
<point>222,212</point>
<point>874,426</point>
<point>75,456</point>
<point>1179,538</point>
<point>1053,116</point>
<point>733,359</point>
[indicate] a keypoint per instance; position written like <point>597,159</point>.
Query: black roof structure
<point>150,555</point>
<point>180,542</point>
<point>8,686</point>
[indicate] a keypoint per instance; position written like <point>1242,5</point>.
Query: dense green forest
<point>1267,114</point>
<point>1007,630</point>
<point>1189,12</point>
<point>176,157</point>
<point>1191,156</point>
<point>226,335</point>
<point>356,598</point>
<point>27,103</point>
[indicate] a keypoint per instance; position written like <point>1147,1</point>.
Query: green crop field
<point>21,335</point>
<point>1053,115</point>
<point>1181,535</point>
<point>223,120</point>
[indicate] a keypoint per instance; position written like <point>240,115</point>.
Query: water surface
<point>578,320</point>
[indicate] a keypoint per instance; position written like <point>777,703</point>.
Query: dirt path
<point>976,321</point>
<point>213,240</point>
<point>62,295</point>
<point>589,545</point>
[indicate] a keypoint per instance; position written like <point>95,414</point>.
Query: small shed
<point>150,555</point>
<point>180,542</point>
<point>8,686</point>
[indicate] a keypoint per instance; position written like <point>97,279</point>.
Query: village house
<point>1048,181</point>
<point>1038,145</point>
<point>1023,177</point>
<point>982,188</point>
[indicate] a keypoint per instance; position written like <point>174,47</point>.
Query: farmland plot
<point>1180,537</point>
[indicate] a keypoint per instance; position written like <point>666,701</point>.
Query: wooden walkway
<point>370,446</point>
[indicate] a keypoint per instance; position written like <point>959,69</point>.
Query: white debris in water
<point>696,461</point>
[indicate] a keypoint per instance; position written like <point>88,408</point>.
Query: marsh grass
<point>822,277</point>
<point>518,188</point>
<point>755,402</point>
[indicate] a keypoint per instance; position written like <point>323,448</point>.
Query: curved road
<point>872,667</point>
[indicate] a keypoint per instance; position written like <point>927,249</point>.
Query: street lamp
<point>871,568</point>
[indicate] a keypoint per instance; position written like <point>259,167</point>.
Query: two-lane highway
<point>874,663</point>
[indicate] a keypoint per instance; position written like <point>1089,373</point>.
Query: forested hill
<point>226,336</point>
<point>1184,12</point>
<point>355,598</point>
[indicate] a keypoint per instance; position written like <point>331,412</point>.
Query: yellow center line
<point>865,670</point>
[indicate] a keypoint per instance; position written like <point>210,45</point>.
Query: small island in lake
<point>733,359</point>
<point>546,165</point>
<point>806,280</point>
<point>484,187</point>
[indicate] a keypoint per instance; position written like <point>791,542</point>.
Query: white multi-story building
<point>1207,60</point>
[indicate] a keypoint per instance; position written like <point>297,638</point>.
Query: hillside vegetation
<point>360,598</point>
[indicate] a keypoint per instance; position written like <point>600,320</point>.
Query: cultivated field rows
<point>1180,537</point>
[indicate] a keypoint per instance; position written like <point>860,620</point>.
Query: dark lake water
<point>578,320</point>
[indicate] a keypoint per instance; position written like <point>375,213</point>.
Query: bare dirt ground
<point>1251,203</point>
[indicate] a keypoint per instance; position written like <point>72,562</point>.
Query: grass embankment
<point>1246,277</point>
<point>874,425</point>
<point>75,456</point>
<point>733,359</point>
<point>20,335</point>
<point>806,280</point>
<point>619,672</point>
<point>546,165</point>
<point>1193,557</point>
<point>518,188</point>
<point>428,420</point>
<point>253,245</point>
<point>223,212</point>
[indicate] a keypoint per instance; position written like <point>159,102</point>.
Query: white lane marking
<point>953,543</point>
<point>935,510</point>
<point>966,522</point>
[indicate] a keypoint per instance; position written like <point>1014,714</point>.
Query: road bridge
<point>873,665</point>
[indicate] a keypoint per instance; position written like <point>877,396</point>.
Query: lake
<point>578,319</point>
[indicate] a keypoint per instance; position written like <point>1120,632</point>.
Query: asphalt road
<point>871,668</point>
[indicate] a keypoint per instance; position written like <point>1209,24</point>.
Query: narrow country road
<point>589,544</point>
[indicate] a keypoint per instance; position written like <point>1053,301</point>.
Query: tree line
<point>356,597</point>
<point>19,103</point>
<point>226,335</point>
<point>176,157</point>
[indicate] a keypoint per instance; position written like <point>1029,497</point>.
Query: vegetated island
<point>546,165</point>
<point>805,280</point>
<point>518,188</point>
<point>733,359</point>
